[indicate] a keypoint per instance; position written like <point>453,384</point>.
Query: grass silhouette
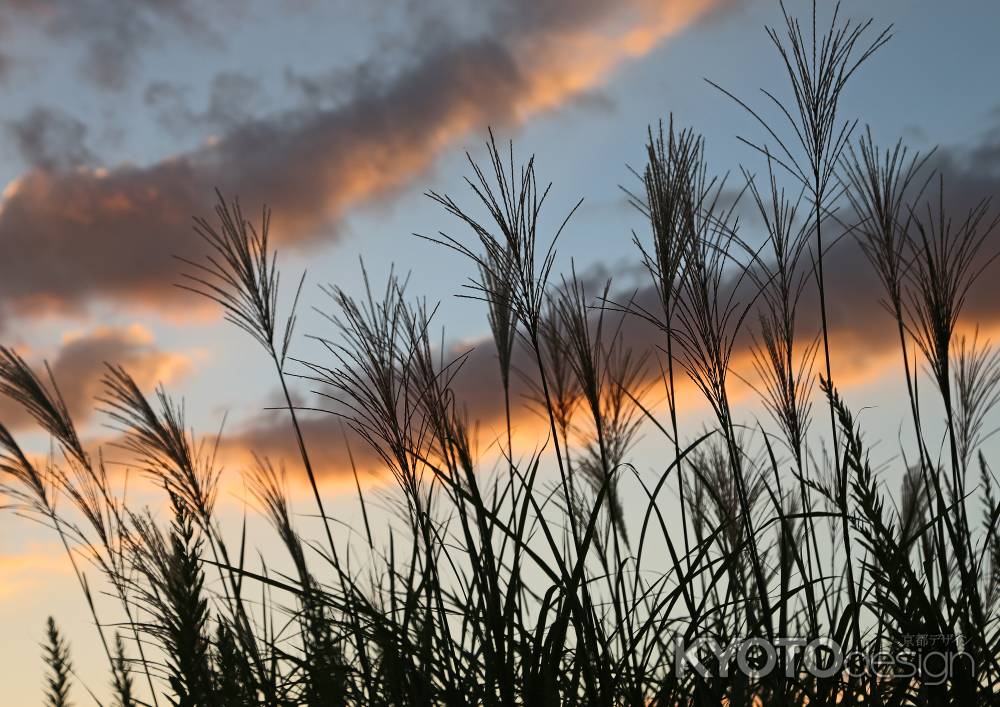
<point>531,582</point>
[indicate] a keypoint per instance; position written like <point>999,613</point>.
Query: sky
<point>121,118</point>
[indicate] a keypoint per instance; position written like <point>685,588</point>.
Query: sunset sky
<point>121,116</point>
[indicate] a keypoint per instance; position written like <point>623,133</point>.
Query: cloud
<point>6,65</point>
<point>231,100</point>
<point>331,447</point>
<point>81,234</point>
<point>329,89</point>
<point>32,568</point>
<point>113,33</point>
<point>79,366</point>
<point>51,139</point>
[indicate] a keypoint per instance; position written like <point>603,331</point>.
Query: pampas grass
<point>561,571</point>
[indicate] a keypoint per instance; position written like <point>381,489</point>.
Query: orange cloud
<point>580,58</point>
<point>864,347</point>
<point>79,365</point>
<point>35,566</point>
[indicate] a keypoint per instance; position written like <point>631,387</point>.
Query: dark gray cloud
<point>50,139</point>
<point>77,235</point>
<point>112,33</point>
<point>328,89</point>
<point>234,98</point>
<point>6,66</point>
